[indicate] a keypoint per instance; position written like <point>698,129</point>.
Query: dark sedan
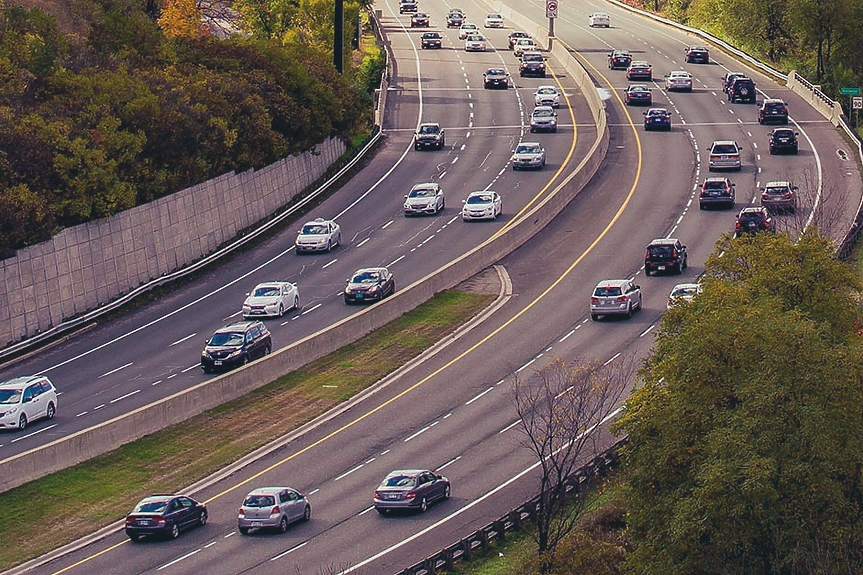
<point>657,119</point>
<point>639,69</point>
<point>637,94</point>
<point>619,59</point>
<point>410,489</point>
<point>431,40</point>
<point>164,515</point>
<point>420,20</point>
<point>369,284</point>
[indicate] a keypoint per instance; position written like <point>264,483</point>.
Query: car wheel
<point>22,422</point>
<point>245,360</point>
<point>49,413</point>
<point>307,513</point>
<point>267,350</point>
<point>424,505</point>
<point>594,317</point>
<point>296,302</point>
<point>134,537</point>
<point>447,492</point>
<point>244,530</point>
<point>202,520</point>
<point>629,311</point>
<point>281,310</point>
<point>647,271</point>
<point>416,147</point>
<point>532,130</point>
<point>175,531</point>
<point>206,369</point>
<point>283,524</point>
<point>381,511</point>
<point>639,303</point>
<point>329,246</point>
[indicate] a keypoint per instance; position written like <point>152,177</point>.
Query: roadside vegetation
<point>75,502</point>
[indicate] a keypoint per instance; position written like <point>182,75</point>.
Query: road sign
<point>551,8</point>
<point>849,91</point>
<point>857,103</point>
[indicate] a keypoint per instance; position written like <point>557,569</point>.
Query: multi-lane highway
<point>454,413</point>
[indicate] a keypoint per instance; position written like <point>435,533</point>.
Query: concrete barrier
<point>181,406</point>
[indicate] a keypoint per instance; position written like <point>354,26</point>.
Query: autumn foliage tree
<point>180,18</point>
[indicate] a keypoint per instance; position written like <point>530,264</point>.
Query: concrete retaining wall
<point>89,265</point>
<point>103,438</point>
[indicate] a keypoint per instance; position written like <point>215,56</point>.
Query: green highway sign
<point>849,91</point>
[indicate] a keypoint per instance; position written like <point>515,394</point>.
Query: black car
<point>516,35</point>
<point>657,119</point>
<point>742,90</point>
<point>782,140</point>
<point>369,284</point>
<point>165,516</point>
<point>773,110</point>
<point>619,59</point>
<point>697,55</point>
<point>430,40</point>
<point>665,254</point>
<point>454,19</point>
<point>753,219</point>
<point>639,69</point>
<point>429,135</point>
<point>410,489</point>
<point>532,64</point>
<point>420,20</point>
<point>637,94</point>
<point>495,78</point>
<point>716,192</point>
<point>236,344</point>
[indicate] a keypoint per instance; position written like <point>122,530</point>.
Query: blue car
<point>657,119</point>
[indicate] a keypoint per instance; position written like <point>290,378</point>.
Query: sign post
<point>551,14</point>
<point>856,105</point>
<point>852,101</point>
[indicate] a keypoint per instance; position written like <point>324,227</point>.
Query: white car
<point>271,299</point>
<point>599,20</point>
<point>424,199</point>
<point>26,399</point>
<point>678,80</point>
<point>466,30</point>
<point>482,205</point>
<point>523,45</point>
<point>474,43</point>
<point>615,297</point>
<point>318,235</point>
<point>683,292</point>
<point>547,96</point>
<point>494,20</point>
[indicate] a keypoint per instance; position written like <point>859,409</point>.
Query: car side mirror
<point>796,133</point>
<point>644,113</point>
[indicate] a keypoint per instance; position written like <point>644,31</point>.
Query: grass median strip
<point>45,514</point>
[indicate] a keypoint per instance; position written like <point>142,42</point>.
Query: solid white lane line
<point>115,370</point>
<point>510,426</point>
<point>478,396</point>
<point>328,264</point>
<point>348,472</point>
<point>291,550</point>
<point>177,560</point>
<point>32,434</point>
<point>182,340</point>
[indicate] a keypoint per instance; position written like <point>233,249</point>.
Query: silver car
<point>724,155</point>
<point>683,293</point>
<point>615,297</point>
<point>272,508</point>
<point>547,96</point>
<point>319,235</point>
<point>528,155</point>
<point>26,399</point>
<point>543,119</point>
<point>271,299</point>
<point>424,199</point>
<point>678,80</point>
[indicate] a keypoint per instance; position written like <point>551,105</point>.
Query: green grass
<point>57,509</point>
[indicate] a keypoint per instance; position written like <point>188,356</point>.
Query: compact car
<point>547,96</point>
<point>639,70</point>
<point>528,155</point>
<point>697,55</point>
<point>637,94</point>
<point>424,199</point>
<point>678,80</point>
<point>619,59</point>
<point>599,20</point>
<point>657,119</point>
<point>543,119</point>
<point>272,508</point>
<point>495,78</point>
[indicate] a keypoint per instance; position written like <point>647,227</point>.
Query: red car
<point>753,219</point>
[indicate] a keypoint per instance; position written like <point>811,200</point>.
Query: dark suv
<point>697,54</point>
<point>782,140</point>
<point>665,254</point>
<point>236,344</point>
<point>716,191</point>
<point>532,64</point>
<point>753,219</point>
<point>742,90</point>
<point>773,110</point>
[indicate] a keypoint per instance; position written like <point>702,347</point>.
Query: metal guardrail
<point>515,520</point>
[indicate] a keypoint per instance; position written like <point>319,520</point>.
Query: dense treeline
<point>818,38</point>
<point>113,113</point>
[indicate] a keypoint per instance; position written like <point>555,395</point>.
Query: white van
<point>26,399</point>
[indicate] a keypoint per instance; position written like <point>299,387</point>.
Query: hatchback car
<point>236,344</point>
<point>475,43</point>
<point>724,155</point>
<point>431,40</point>
<point>454,19</point>
<point>318,235</point>
<point>637,94</point>
<point>742,89</point>
<point>406,6</point>
<point>420,20</point>
<point>773,110</point>
<point>678,80</point>
<point>523,45</point>
<point>543,119</point>
<point>665,254</point>
<point>532,64</point>
<point>482,205</point>
<point>495,78</point>
<point>639,70</point>
<point>599,20</point>
<point>782,141</point>
<point>26,399</point>
<point>271,299</point>
<point>696,55</point>
<point>657,119</point>
<point>165,516</point>
<point>779,196</point>
<point>467,29</point>
<point>493,20</point>
<point>619,59</point>
<point>716,192</point>
<point>272,508</point>
<point>683,293</point>
<point>528,155</point>
<point>753,219</point>
<point>547,96</point>
<point>411,489</point>
<point>369,284</point>
<point>615,297</point>
<point>424,199</point>
<point>429,135</point>
<point>516,35</point>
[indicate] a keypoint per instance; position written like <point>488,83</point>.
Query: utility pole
<point>339,36</point>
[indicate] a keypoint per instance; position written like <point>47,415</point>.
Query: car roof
<point>425,185</point>
<point>612,283</point>
<point>529,144</point>
<point>657,111</point>
<point>636,63</point>
<point>318,221</point>
<point>364,270</point>
<point>21,380</point>
<point>753,209</point>
<point>662,241</point>
<point>430,124</point>
<point>679,73</point>
<point>686,285</point>
<point>237,326</point>
<point>268,490</point>
<point>543,108</point>
<point>697,47</point>
<point>724,143</point>
<point>481,192</point>
<point>777,183</point>
<point>268,284</point>
<point>774,101</point>
<point>531,53</point>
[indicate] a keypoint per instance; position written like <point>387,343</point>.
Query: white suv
<point>25,399</point>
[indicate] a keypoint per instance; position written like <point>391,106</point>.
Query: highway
<point>454,412</point>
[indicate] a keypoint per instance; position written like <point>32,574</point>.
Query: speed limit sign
<point>551,8</point>
<point>857,103</point>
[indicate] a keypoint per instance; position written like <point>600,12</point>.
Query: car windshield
<point>751,216</point>
<point>474,38</point>
<point>494,16</point>
<point>480,199</point>
<point>524,42</point>
<point>495,72</point>
<point>547,91</point>
<point>657,113</point>
<point>714,185</point>
<point>532,58</point>
<point>422,193</point>
<point>640,64</point>
<point>366,278</point>
<point>9,396</point>
<point>267,291</point>
<point>661,251</point>
<point>429,129</point>
<point>607,291</point>
<point>469,26</point>
<point>527,149</point>
<point>638,89</point>
<point>687,291</point>
<point>259,501</point>
<point>314,229</point>
<point>227,338</point>
<point>777,189</point>
<point>774,105</point>
<point>431,35</point>
<point>783,133</point>
<point>680,74</point>
<point>399,481</point>
<point>151,506</point>
<point>724,149</point>
<point>543,113</point>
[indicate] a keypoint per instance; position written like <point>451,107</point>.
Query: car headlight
<point>373,289</point>
<point>407,206</point>
<point>246,307</point>
<point>236,353</point>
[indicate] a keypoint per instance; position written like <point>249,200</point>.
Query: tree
<point>559,409</point>
<point>745,450</point>
<point>180,19</point>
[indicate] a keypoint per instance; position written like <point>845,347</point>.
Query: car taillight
<point>130,519</point>
<point>377,494</point>
<point>765,195</point>
<point>674,253</point>
<point>594,300</point>
<point>788,195</point>
<point>159,520</point>
<point>275,510</point>
<point>240,512</point>
<point>621,298</point>
<point>410,495</point>
<point>737,225</point>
